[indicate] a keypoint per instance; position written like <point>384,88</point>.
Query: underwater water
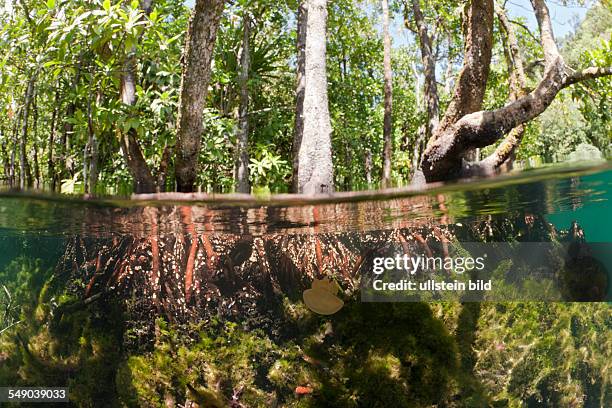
<point>227,301</point>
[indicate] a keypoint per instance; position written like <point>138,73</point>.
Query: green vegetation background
<point>75,60</point>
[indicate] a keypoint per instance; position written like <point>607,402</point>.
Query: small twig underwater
<point>7,309</point>
<point>9,326</point>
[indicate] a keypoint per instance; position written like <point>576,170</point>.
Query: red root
<point>186,213</point>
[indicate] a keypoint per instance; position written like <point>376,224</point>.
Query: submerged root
<point>187,272</point>
<point>186,275</point>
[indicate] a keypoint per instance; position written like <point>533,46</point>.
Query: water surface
<point>562,194</point>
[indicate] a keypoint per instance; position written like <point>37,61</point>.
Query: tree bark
<point>419,139</point>
<point>505,153</point>
<point>90,155</point>
<point>68,130</point>
<point>144,182</point>
<point>50,157</point>
<point>428,59</point>
<point>5,155</point>
<point>430,87</point>
<point>388,94</point>
<point>13,169</point>
<point>162,173</point>
<point>67,133</point>
<point>143,179</point>
<point>315,167</point>
<point>448,74</point>
<point>241,170</point>
<point>460,133</point>
<point>24,168</point>
<point>35,141</point>
<point>368,167</point>
<point>348,160</point>
<point>298,131</point>
<point>93,164</point>
<point>199,49</point>
<point>472,79</point>
<point>518,79</point>
<point>137,165</point>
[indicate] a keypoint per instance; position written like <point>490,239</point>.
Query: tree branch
<point>483,128</point>
<point>504,153</point>
<point>444,155</point>
<point>407,19</point>
<point>516,61</point>
<point>524,27</point>
<point>429,66</point>
<point>547,38</point>
<point>586,74</point>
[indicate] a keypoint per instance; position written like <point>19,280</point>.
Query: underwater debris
<point>321,298</point>
<point>327,285</point>
<point>303,390</point>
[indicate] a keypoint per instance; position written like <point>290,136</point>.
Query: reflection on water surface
<point>541,192</point>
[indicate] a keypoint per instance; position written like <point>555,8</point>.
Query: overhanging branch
<point>586,74</point>
<point>443,158</point>
<point>525,28</point>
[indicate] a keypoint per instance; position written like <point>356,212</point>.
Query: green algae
<point>79,350</point>
<point>366,355</point>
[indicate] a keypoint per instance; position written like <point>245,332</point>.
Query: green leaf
<point>173,39</point>
<point>50,63</point>
<point>106,5</point>
<point>50,4</point>
<point>153,16</point>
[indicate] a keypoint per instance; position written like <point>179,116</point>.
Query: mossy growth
<point>221,362</point>
<point>545,354</point>
<point>79,349</point>
<point>380,354</point>
<point>366,355</point>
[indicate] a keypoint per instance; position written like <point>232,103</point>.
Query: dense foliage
<point>62,115</point>
<point>582,114</point>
